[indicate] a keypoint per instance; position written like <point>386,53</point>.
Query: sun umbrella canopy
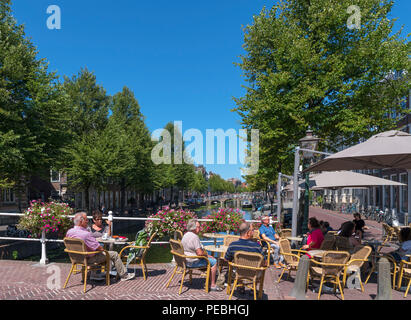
<point>345,179</point>
<point>348,179</point>
<point>390,149</point>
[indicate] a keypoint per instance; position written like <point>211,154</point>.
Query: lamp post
<point>271,193</point>
<point>307,144</point>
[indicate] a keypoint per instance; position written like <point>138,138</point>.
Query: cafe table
<point>318,254</point>
<point>112,241</point>
<point>217,250</point>
<point>214,236</point>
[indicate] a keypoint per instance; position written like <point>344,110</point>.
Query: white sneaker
<point>128,276</point>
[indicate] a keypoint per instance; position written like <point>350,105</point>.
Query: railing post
<point>110,218</point>
<point>43,259</point>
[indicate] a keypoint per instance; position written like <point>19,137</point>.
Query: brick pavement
<point>25,280</point>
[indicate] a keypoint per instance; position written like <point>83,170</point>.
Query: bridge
<point>237,198</point>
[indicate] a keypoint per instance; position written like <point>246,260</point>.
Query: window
<point>8,196</point>
<point>54,176</point>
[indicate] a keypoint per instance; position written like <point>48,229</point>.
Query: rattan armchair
<point>394,268</point>
<point>181,267</point>
<point>389,234</point>
<point>284,233</point>
<point>139,259</point>
<point>229,238</point>
<point>405,273</point>
<point>178,235</point>
<point>291,257</point>
<point>78,254</point>
<point>249,270</point>
<point>328,242</point>
<point>356,262</point>
<point>329,269</point>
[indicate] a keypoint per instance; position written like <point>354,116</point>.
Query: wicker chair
<point>230,238</point>
<point>328,242</point>
<point>141,260</point>
<point>290,258</point>
<point>343,244</point>
<point>227,240</point>
<point>389,234</point>
<point>256,234</point>
<point>78,254</point>
<point>329,269</point>
<point>284,233</point>
<point>181,267</point>
<point>394,268</point>
<point>179,235</point>
<point>250,269</point>
<point>356,262</point>
<point>405,273</point>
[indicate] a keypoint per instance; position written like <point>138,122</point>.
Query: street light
<point>307,144</point>
<point>271,193</point>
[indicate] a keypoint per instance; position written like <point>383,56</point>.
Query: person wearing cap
<point>268,234</point>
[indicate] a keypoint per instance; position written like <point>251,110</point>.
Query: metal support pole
<point>43,259</point>
<point>304,228</point>
<point>295,191</point>
<point>409,195</point>
<point>279,198</point>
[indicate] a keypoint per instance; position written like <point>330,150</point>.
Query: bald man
<point>80,232</point>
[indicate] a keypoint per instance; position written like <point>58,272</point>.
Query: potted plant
<point>51,217</point>
<point>224,220</point>
<point>170,220</point>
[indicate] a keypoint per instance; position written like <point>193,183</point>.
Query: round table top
<point>316,253</point>
<point>213,248</point>
<point>295,238</point>
<point>214,235</point>
<point>112,240</point>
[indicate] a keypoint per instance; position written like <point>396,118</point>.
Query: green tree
<point>140,172</point>
<point>199,183</point>
<point>89,103</point>
<point>304,67</point>
<point>33,109</point>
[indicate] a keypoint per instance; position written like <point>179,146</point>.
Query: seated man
<point>193,247</point>
<point>268,234</point>
<point>80,232</point>
<point>245,243</point>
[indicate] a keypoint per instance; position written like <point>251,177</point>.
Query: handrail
<point>43,238</point>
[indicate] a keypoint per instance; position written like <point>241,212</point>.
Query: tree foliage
<point>305,68</point>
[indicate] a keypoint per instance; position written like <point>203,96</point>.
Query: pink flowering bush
<point>171,220</point>
<point>50,217</point>
<point>224,219</point>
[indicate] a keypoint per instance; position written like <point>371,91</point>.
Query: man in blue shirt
<point>268,234</point>
<point>244,243</point>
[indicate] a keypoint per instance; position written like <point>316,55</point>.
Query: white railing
<point>43,240</point>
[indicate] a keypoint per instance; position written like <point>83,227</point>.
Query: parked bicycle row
<point>368,213</point>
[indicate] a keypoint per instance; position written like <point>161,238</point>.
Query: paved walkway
<point>23,280</point>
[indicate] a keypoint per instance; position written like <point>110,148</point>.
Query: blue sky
<point>177,56</point>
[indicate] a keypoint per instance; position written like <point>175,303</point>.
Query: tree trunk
<point>122,194</point>
<point>87,199</point>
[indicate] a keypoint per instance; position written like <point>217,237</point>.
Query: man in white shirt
<point>193,247</point>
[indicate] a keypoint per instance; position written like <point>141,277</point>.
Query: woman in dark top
<point>98,228</point>
<point>359,225</point>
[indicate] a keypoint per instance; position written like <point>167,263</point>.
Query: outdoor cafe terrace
<point>28,280</point>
